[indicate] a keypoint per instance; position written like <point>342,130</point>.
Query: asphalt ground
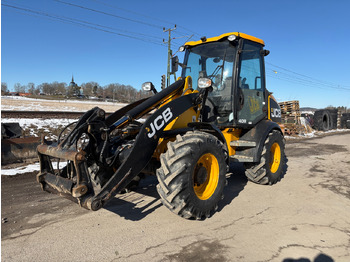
<point>304,217</point>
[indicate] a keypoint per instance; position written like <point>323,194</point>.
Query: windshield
<point>215,61</point>
<point>212,60</point>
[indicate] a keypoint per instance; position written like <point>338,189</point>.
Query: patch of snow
<point>27,169</point>
<point>307,112</point>
<point>38,123</point>
<point>336,130</point>
<point>66,105</point>
<point>315,133</point>
<point>36,126</point>
<point>36,107</point>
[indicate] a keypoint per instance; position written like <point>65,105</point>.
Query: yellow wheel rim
<point>275,158</point>
<point>206,176</point>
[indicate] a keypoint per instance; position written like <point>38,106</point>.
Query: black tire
<point>333,118</point>
<point>345,120</point>
<point>347,125</point>
<point>192,175</point>
<point>323,120</point>
<point>271,166</point>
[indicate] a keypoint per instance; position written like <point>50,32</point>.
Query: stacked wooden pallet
<point>290,113</point>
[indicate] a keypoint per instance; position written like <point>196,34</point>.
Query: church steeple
<point>72,83</point>
<point>74,87</point>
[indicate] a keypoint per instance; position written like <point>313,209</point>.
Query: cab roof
<point>217,38</point>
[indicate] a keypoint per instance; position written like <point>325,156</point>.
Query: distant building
<point>77,91</point>
<point>24,94</point>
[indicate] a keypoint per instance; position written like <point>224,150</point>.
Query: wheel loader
<point>187,134</point>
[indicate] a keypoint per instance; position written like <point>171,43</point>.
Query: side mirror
<point>148,86</point>
<point>265,52</point>
<point>174,64</point>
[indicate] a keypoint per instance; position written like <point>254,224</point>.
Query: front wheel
<point>271,166</point>
<point>192,175</point>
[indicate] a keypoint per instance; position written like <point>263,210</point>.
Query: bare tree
<point>94,90</point>
<point>58,88</point>
<point>90,88</point>
<point>19,88</point>
<point>46,88</point>
<point>31,88</point>
<point>113,91</point>
<point>37,90</point>
<point>100,92</point>
<point>3,88</point>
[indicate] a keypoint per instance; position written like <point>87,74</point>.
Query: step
<point>242,159</point>
<point>242,143</point>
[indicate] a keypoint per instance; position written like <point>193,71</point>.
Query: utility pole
<point>169,52</point>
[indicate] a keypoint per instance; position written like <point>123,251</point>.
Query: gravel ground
<point>304,217</point>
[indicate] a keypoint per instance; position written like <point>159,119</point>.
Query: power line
<point>291,80</point>
<point>288,75</point>
<point>108,14</point>
<point>84,24</point>
<point>121,17</point>
<point>146,16</point>
<point>302,78</point>
<point>304,82</point>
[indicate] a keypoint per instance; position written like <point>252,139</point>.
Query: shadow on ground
<point>137,208</point>
<point>236,181</point>
<point>134,208</point>
<point>319,258</point>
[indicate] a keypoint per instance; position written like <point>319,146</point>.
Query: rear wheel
<point>192,175</point>
<point>271,166</point>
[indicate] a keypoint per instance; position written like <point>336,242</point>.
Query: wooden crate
<point>291,129</point>
<point>290,114</point>
<point>289,106</point>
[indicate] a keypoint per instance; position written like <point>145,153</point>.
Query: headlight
<point>231,38</point>
<point>147,86</point>
<point>181,48</point>
<point>204,82</point>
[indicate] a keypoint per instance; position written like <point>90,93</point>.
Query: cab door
<point>250,93</point>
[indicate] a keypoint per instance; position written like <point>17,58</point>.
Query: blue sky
<point>309,60</point>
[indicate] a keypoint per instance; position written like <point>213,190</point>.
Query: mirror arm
<point>182,65</point>
<point>154,90</point>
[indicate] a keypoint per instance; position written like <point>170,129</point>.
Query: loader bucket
<point>14,147</point>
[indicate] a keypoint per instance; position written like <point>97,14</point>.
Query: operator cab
<point>234,62</point>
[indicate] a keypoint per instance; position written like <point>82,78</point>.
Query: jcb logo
<point>253,104</point>
<point>159,122</point>
<point>275,112</point>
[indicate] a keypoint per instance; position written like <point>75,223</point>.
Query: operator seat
<point>218,105</point>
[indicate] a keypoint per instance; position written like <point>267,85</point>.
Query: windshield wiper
<point>216,71</point>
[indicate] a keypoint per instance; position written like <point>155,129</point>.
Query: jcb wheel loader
<point>218,111</point>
